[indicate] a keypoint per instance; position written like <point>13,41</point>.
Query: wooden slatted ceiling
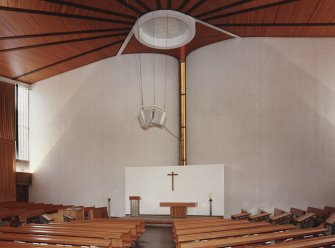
<point>42,38</point>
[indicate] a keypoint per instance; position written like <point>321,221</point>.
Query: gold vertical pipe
<point>182,69</point>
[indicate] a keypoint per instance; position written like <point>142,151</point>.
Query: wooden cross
<point>172,175</point>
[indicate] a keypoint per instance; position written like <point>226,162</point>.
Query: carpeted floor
<point>156,237</point>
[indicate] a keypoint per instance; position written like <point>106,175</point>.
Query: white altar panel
<point>194,183</point>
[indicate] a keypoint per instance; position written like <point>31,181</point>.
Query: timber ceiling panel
<point>42,38</point>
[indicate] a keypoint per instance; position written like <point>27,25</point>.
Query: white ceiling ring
<point>164,29</point>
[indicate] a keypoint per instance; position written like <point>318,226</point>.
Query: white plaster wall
<point>265,107</point>
<point>84,130</point>
<point>194,183</point>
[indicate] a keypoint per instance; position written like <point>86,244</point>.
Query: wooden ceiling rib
<point>228,6</point>
<point>143,5</point>
<point>62,42</point>
<point>158,3</point>
<point>86,7</point>
<point>42,38</point>
<point>63,33</point>
<point>182,5</point>
<point>49,13</point>
<point>249,9</point>
<point>130,6</point>
<point>195,6</point>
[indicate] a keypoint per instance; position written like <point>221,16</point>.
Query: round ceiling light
<point>164,29</point>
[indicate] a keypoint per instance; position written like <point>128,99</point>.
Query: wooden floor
<point>156,237</point>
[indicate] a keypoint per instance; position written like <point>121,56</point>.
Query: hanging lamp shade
<point>152,116</point>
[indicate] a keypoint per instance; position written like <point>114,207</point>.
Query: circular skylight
<point>164,29</point>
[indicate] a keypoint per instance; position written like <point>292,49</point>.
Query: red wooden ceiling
<point>42,38</point>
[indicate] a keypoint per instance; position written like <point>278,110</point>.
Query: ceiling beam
<point>86,7</point>
<point>265,6</point>
<point>158,3</point>
<point>169,4</point>
<point>195,6</point>
<point>129,6</point>
<point>143,5</point>
<point>11,81</point>
<point>68,59</point>
<point>320,24</point>
<point>49,13</point>
<point>183,4</point>
<point>228,6</point>
<point>63,33</point>
<point>62,42</point>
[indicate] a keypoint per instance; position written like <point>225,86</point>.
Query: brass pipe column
<point>182,69</point>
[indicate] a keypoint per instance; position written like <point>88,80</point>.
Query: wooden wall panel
<point>7,142</point>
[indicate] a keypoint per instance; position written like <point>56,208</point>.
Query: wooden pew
<point>191,219</point>
<point>135,225</point>
<point>307,243</point>
<point>12,216</point>
<point>320,215</point>
<point>254,239</point>
<point>296,212</point>
<point>232,233</point>
<point>262,216</point>
<point>10,244</point>
<point>280,217</point>
<point>329,210</point>
<point>49,239</point>
<point>136,228</point>
<point>330,224</point>
<point>94,213</point>
<point>75,213</point>
<point>126,229</point>
<point>27,215</point>
<point>179,226</point>
<point>7,214</point>
<point>222,228</point>
<point>304,221</point>
<point>241,216</point>
<point>301,218</point>
<point>118,239</point>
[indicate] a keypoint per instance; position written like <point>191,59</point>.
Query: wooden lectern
<point>178,209</point>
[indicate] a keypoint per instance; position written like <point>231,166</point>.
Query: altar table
<point>178,209</point>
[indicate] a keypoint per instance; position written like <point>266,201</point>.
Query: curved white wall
<point>265,108</point>
<point>84,130</point>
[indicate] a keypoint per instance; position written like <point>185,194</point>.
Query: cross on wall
<point>172,178</point>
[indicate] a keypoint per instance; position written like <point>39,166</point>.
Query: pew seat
<point>307,243</point>
<point>49,239</point>
<point>241,216</point>
<point>261,216</point>
<point>222,228</point>
<point>254,239</point>
<point>233,233</point>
